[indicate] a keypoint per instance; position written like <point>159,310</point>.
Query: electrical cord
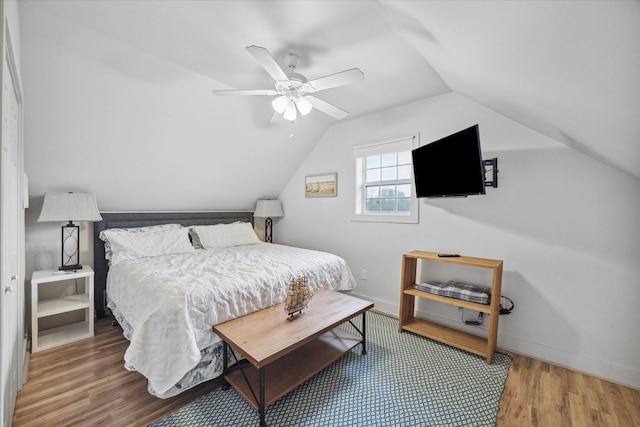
<point>506,305</point>
<point>471,322</point>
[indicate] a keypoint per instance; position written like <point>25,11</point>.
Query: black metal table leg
<point>225,365</point>
<point>225,356</point>
<point>262,421</point>
<point>364,332</point>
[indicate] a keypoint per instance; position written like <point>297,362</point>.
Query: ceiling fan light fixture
<point>303,105</point>
<point>280,104</point>
<point>291,88</point>
<point>290,112</point>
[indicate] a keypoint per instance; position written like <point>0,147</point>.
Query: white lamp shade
<point>303,105</point>
<point>69,207</point>
<point>290,112</point>
<point>268,209</point>
<point>280,103</point>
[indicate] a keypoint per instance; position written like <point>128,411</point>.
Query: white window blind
<point>407,143</point>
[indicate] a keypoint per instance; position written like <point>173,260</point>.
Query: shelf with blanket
<point>452,293</point>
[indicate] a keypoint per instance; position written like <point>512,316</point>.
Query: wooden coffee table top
<point>266,335</point>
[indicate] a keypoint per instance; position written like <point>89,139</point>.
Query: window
<point>387,182</point>
<point>384,182</point>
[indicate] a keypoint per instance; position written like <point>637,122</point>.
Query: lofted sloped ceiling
<point>569,70</point>
<point>210,37</point>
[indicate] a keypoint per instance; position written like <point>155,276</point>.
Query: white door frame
<point>12,258</point>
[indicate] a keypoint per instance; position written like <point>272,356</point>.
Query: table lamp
<point>60,207</point>
<point>268,209</point>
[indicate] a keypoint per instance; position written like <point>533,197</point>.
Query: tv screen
<point>451,166</point>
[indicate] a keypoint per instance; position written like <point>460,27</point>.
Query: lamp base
<point>70,267</point>
<point>70,248</point>
<point>268,227</point>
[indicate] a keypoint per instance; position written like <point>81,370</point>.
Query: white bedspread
<point>173,301</point>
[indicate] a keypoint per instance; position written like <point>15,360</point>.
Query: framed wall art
<point>321,185</point>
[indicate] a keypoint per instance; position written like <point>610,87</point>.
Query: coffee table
<point>282,353</point>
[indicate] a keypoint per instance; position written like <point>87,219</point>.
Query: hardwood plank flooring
<point>86,384</point>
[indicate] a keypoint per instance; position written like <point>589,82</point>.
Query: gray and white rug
<point>403,380</point>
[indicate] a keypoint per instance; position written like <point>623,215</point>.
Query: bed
<point>168,278</point>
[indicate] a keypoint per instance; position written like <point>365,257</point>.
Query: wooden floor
<point>85,384</point>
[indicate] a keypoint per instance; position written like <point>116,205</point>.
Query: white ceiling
<point>569,70</point>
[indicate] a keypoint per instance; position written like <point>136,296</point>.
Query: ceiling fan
<point>294,89</point>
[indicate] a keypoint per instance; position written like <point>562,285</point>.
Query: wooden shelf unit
<point>465,341</point>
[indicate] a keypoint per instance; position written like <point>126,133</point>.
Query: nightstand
<point>48,338</point>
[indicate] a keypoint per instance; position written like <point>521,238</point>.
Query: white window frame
<point>360,153</point>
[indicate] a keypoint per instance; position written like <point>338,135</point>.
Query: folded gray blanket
<point>453,289</point>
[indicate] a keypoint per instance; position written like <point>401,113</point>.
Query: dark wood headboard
<point>142,219</point>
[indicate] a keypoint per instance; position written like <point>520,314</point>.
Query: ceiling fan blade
<point>334,80</point>
<point>265,59</point>
<point>246,92</point>
<point>327,108</point>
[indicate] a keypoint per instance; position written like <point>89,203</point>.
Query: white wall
<point>139,131</point>
<point>142,132</point>
<point>565,225</point>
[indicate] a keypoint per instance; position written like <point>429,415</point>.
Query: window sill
<point>400,219</point>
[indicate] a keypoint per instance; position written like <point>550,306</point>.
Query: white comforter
<point>173,301</point>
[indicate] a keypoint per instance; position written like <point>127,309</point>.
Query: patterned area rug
<point>403,380</point>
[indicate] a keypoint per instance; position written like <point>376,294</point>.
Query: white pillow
<point>126,246</point>
<point>107,246</point>
<point>225,235</point>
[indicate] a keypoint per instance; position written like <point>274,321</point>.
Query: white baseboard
<point>378,304</point>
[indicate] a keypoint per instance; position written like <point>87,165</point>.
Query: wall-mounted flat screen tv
<point>451,166</point>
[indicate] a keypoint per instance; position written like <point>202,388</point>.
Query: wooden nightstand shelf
<point>408,321</point>
<point>48,338</point>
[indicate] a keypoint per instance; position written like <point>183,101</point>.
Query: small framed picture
<point>321,185</point>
